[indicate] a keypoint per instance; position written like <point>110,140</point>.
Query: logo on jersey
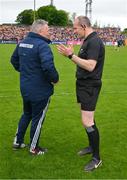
<point>30,46</point>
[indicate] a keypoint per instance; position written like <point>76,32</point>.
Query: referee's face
<point>78,29</point>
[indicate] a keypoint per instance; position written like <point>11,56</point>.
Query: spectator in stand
<point>12,32</point>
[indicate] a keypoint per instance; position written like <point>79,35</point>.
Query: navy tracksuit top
<point>33,58</point>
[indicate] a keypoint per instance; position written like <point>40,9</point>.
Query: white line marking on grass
<point>68,94</point>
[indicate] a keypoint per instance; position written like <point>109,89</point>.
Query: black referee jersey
<point>92,48</point>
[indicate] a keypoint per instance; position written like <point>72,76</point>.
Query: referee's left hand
<point>65,50</point>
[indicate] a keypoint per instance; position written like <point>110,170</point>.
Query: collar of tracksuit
<point>35,35</point>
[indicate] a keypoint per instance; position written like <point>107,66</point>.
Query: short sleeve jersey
<point>92,48</point>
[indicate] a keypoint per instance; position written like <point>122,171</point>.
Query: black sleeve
<point>93,49</point>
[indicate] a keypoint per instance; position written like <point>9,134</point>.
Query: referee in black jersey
<point>90,61</point>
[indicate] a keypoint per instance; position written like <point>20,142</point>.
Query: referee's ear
<point>83,26</point>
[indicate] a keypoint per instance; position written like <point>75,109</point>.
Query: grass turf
<point>62,132</point>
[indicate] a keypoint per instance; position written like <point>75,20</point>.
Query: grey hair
<point>37,25</point>
<point>84,21</point>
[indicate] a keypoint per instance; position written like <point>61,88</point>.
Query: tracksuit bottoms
<point>34,111</point>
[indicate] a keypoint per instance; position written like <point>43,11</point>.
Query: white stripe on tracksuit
<point>15,138</point>
<point>37,132</point>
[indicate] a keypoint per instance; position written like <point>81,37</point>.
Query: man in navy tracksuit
<point>34,60</point>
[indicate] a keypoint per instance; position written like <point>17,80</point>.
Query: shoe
<point>93,164</point>
<point>38,151</point>
<point>87,150</point>
<point>17,146</point>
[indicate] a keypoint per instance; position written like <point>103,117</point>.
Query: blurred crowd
<point>13,32</point>
<point>16,32</point>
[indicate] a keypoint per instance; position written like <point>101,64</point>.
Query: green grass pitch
<point>62,132</point>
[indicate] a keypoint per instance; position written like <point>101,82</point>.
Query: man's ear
<point>83,26</point>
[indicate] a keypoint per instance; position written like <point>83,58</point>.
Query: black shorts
<point>87,94</point>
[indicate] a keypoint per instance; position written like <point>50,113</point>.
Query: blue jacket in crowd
<point>33,58</point>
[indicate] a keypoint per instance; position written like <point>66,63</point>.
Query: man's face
<point>78,29</point>
<point>45,31</point>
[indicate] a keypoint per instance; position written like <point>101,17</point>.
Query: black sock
<point>93,135</point>
<point>88,134</point>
